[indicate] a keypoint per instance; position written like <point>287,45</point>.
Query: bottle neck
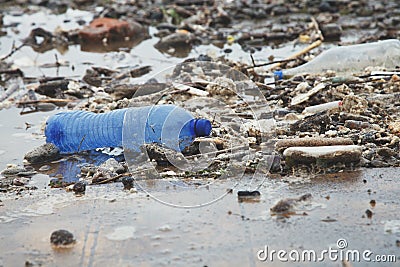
<point>201,127</point>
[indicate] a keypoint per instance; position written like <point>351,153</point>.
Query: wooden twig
<point>54,100</point>
<point>113,179</point>
<point>13,50</point>
<point>270,63</point>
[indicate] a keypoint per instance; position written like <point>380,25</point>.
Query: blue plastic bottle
<point>172,126</point>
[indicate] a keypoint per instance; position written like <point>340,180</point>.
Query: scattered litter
<point>323,155</point>
<point>290,205</point>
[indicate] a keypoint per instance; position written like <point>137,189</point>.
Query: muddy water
<point>113,227</point>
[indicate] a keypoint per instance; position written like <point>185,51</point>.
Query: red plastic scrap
<point>109,28</point>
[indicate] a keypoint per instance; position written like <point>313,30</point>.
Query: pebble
<point>222,86</point>
<point>62,238</point>
<point>354,104</point>
<point>20,181</point>
<point>79,187</point>
<point>127,182</point>
<point>12,170</point>
<point>331,31</point>
<point>394,127</point>
<point>45,168</point>
<point>44,153</point>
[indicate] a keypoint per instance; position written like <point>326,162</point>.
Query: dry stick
<point>300,53</point>
<point>13,50</point>
<point>269,63</point>
<point>54,100</point>
<point>112,179</point>
<point>80,144</point>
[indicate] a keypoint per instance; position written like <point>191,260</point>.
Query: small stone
<point>62,238</point>
<point>45,168</point>
<point>354,104</point>
<point>222,86</point>
<point>127,182</point>
<point>369,214</point>
<point>20,181</point>
<point>43,153</point>
<point>372,202</point>
<point>332,31</point>
<point>386,152</point>
<point>79,188</point>
<point>12,170</point>
<point>177,44</point>
<point>394,127</point>
<point>112,165</point>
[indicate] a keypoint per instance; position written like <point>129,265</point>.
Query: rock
<point>20,181</point>
<point>62,238</point>
<point>352,124</point>
<point>368,137</point>
<point>386,152</point>
<point>178,44</point>
<point>331,31</point>
<point>281,145</point>
<point>12,170</point>
<point>323,155</point>
<point>112,165</point>
<point>222,86</point>
<point>54,89</point>
<point>317,122</point>
<point>394,127</point>
<point>43,153</point>
<point>79,188</point>
<point>127,182</point>
<point>369,213</point>
<point>354,104</point>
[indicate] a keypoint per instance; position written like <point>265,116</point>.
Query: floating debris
<point>290,205</point>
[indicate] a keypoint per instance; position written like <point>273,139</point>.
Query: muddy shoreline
<point>315,155</point>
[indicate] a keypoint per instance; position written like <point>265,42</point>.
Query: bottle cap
<point>202,127</point>
<point>278,74</point>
